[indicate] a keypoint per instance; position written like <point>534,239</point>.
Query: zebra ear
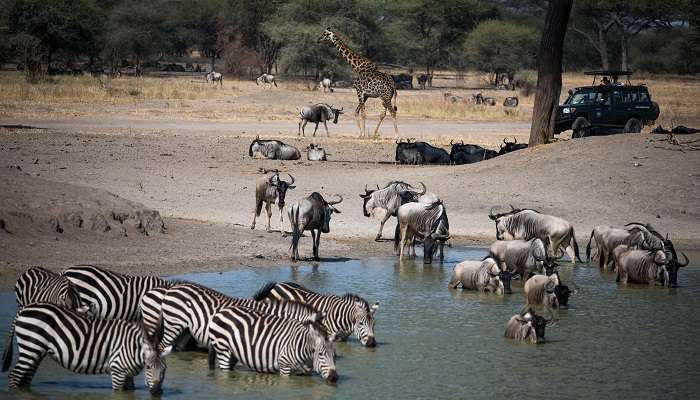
<point>374,308</point>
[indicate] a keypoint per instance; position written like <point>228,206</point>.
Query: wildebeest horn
<point>515,139</point>
<point>424,188</point>
<point>331,203</point>
<point>504,141</point>
<point>687,261</point>
<point>366,191</point>
<point>292,178</point>
<point>491,214</point>
<point>511,207</point>
<point>451,142</point>
<point>398,141</point>
<point>461,140</point>
<point>378,187</point>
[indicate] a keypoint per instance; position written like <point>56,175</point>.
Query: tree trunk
<point>549,71</point>
<point>213,60</point>
<point>603,49</point>
<point>624,48</point>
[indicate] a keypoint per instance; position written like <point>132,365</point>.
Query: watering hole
<point>627,342</point>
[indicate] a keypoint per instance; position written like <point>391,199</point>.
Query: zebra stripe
<point>113,295</point>
<point>85,346</point>
<point>39,285</point>
<point>267,343</point>
<point>189,306</point>
<point>342,316</point>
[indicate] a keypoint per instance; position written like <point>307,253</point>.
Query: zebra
<point>343,315</point>
<point>267,343</point>
<point>190,307</point>
<point>39,285</point>
<point>85,346</point>
<point>112,295</point>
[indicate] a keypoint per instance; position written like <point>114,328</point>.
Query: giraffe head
<point>328,34</point>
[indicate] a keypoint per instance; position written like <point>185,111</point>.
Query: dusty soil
<point>201,183</point>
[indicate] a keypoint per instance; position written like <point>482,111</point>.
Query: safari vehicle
<point>607,107</point>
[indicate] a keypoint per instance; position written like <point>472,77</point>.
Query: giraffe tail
<point>396,96</point>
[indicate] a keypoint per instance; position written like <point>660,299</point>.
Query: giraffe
<point>370,83</point>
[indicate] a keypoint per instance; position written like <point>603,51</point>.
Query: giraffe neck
<point>356,61</point>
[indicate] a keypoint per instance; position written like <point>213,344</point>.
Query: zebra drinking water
<point>85,346</point>
<point>343,316</point>
<point>267,343</point>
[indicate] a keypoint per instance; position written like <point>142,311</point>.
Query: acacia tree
<point>593,20</point>
<point>549,60</point>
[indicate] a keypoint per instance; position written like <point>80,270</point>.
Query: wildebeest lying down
<point>315,153</point>
<point>511,146</point>
<point>641,266</point>
<point>461,153</point>
<point>312,213</point>
<point>268,190</point>
<point>273,150</point>
<point>420,153</point>
<point>679,130</point>
<point>526,224</point>
<point>528,325</point>
<point>484,276</point>
<point>521,257</point>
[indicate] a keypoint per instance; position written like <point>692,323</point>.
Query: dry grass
<point>185,98</point>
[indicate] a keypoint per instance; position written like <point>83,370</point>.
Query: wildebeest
<point>315,153</point>
<point>607,238</point>
<point>527,325</point>
<point>510,101</point>
<point>326,83</point>
<point>679,130</point>
<point>312,213</point>
<point>511,146</point>
<point>522,257</point>
<point>214,77</point>
<point>482,275</point>
<point>420,153</point>
<point>422,79</point>
<point>272,150</point>
<point>316,113</point>
<point>387,199</point>
<point>539,290</point>
<point>268,190</point>
<point>526,224</point>
<point>641,266</point>
<point>461,153</point>
<point>480,99</point>
<point>266,79</point>
<point>427,221</point>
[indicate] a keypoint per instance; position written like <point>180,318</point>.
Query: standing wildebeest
<point>641,266</point>
<point>311,214</point>
<point>316,113</point>
<point>268,190</point>
<point>522,257</point>
<point>469,153</point>
<point>527,325</point>
<point>528,224</point>
<point>422,79</point>
<point>480,275</point>
<point>511,146</point>
<point>315,153</point>
<point>427,221</point>
<point>655,242</point>
<point>420,153</point>
<point>607,238</point>
<point>273,150</point>
<point>326,83</point>
<point>214,77</point>
<point>388,199</point>
<point>539,290</point>
<point>266,79</point>
<point>510,101</point>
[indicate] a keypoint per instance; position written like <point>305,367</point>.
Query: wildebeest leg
<point>302,126</point>
<point>268,208</point>
<point>326,125</point>
<point>570,252</point>
<point>281,219</point>
<point>316,128</point>
<point>381,225</point>
<point>256,212</point>
<point>404,233</point>
<point>317,244</point>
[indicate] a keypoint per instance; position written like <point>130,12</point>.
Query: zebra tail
<point>7,352</point>
<point>211,357</point>
<point>264,292</point>
<point>573,238</point>
<point>588,247</point>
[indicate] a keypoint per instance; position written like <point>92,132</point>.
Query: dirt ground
<point>202,184</point>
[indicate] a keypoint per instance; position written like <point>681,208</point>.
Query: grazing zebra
<point>214,77</point>
<point>343,316</point>
<point>190,307</point>
<point>267,343</point>
<point>85,346</point>
<point>112,295</point>
<point>266,79</point>
<point>39,285</point>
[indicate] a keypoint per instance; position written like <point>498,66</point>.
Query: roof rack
<point>611,73</point>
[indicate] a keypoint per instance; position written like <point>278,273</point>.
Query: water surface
<point>625,342</point>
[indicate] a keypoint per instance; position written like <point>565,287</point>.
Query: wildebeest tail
<point>7,352</point>
<point>295,228</point>
<point>573,238</point>
<point>275,83</point>
<point>588,247</point>
<point>264,292</point>
<point>397,239</point>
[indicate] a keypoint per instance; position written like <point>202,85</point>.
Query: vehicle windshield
<point>582,97</point>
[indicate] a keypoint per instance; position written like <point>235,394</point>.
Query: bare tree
<point>549,60</point>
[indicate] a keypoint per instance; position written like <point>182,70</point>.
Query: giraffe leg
<point>381,118</point>
<point>358,110</point>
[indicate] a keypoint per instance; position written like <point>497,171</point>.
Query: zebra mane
<point>205,289</point>
<point>353,298</point>
<point>264,291</point>
<point>292,305</point>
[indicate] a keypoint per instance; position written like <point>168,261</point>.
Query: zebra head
<point>69,298</point>
<point>363,317</point>
<point>324,352</point>
<point>153,358</point>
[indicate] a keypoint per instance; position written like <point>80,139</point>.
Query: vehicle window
<point>602,98</point>
<point>583,98</point>
<point>617,97</point>
<point>625,96</point>
<point>634,95</point>
<point>643,96</point>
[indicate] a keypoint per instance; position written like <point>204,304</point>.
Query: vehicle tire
<point>633,125</point>
<point>581,127</point>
